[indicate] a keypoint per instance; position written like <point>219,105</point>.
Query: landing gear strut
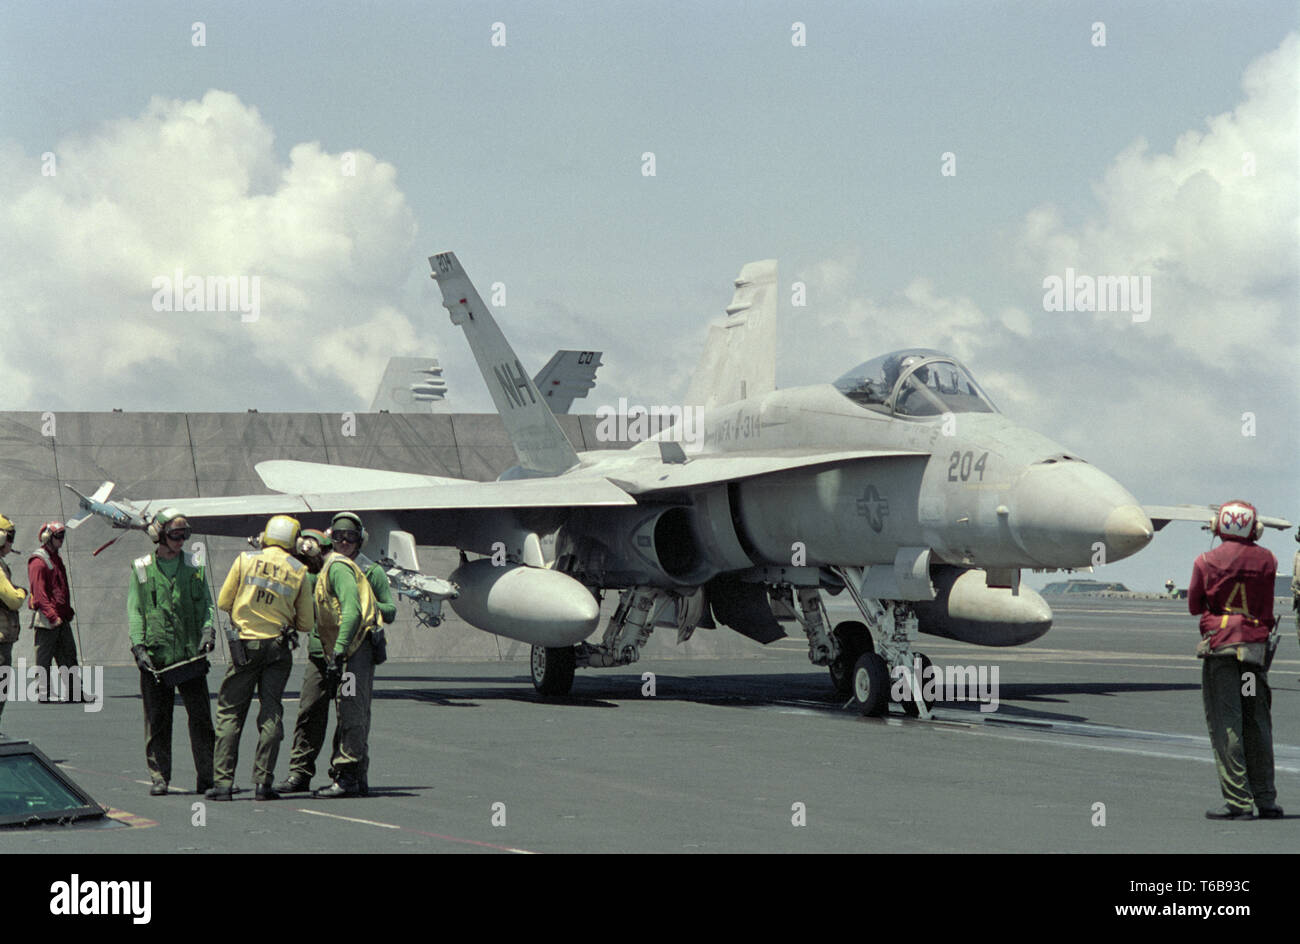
<point>639,609</point>
<point>892,626</point>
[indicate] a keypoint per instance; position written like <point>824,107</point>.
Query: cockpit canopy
<point>915,382</point>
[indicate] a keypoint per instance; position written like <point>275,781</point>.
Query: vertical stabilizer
<point>534,432</point>
<point>739,359</point>
<point>410,385</point>
<point>567,376</point>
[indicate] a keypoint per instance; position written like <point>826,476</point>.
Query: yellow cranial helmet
<point>7,530</point>
<point>281,531</point>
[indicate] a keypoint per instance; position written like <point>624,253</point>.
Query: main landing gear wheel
<point>553,669</point>
<point>910,707</point>
<point>871,685</point>
<point>854,639</point>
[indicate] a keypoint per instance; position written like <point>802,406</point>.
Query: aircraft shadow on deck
<point>806,690</point>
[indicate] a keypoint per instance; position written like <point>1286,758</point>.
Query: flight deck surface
<point>728,755</point>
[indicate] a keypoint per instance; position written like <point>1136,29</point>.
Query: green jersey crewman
<point>348,613</point>
<point>169,616</point>
<point>318,684</point>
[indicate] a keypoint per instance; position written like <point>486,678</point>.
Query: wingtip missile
<point>119,514</point>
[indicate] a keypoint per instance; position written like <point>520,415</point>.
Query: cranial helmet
<point>159,524</point>
<point>7,529</point>
<point>281,531</point>
<point>49,529</point>
<point>312,542</point>
<point>1237,521</point>
<point>348,521</point>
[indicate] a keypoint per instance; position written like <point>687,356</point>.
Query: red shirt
<point>1232,590</point>
<point>49,587</point>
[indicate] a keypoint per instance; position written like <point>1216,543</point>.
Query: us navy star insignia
<point>874,508</point>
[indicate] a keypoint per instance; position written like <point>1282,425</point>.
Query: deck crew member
<point>51,600</point>
<point>348,613</point>
<point>268,598</point>
<point>1232,591</point>
<point>318,684</point>
<point>169,615</point>
<point>11,600</point>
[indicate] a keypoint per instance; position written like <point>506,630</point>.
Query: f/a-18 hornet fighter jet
<point>900,483</point>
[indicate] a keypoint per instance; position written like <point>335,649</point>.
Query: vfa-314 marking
<point>900,482</point>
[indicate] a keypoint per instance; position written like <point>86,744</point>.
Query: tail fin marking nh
<point>538,440</point>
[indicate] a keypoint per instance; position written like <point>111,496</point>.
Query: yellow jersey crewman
<point>267,596</point>
<point>11,599</point>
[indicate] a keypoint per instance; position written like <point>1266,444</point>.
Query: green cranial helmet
<point>346,521</point>
<point>159,523</point>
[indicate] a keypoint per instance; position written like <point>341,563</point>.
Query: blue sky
<point>527,160</point>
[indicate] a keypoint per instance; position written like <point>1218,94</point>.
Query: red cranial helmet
<point>1237,521</point>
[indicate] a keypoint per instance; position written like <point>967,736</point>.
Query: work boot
<point>1269,810</point>
<point>158,789</point>
<point>1229,812</point>
<point>343,787</point>
<point>220,793</point>
<point>264,791</point>
<point>294,783</point>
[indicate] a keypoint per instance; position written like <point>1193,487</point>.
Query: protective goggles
<point>352,537</point>
<point>178,534</point>
<point>7,537</point>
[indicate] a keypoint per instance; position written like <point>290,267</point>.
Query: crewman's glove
<point>334,674</point>
<point>209,640</point>
<point>142,658</point>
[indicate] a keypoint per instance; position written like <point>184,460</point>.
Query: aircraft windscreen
<point>914,383</point>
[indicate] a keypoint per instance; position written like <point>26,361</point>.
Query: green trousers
<point>159,704</point>
<point>1238,713</point>
<point>313,719</point>
<point>351,760</point>
<point>267,673</point>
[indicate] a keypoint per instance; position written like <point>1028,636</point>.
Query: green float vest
<point>173,612</point>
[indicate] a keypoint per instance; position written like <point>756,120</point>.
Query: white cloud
<point>198,186</point>
<point>1219,242</point>
<point>1220,247</point>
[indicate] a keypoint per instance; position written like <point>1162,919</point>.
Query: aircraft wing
<point>1161,515</point>
<point>291,475</point>
<point>707,470</point>
<point>245,514</point>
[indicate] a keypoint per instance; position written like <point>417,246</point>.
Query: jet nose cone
<point>1070,514</point>
<point>1127,531</point>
